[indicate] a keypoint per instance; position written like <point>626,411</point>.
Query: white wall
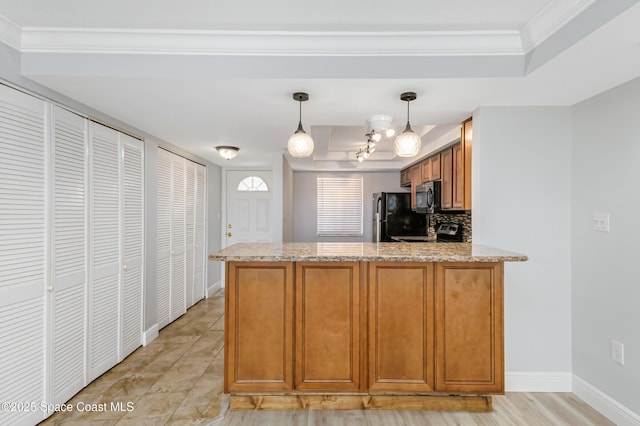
<point>214,225</point>
<point>606,284</point>
<point>287,202</point>
<point>305,202</point>
<point>521,202</point>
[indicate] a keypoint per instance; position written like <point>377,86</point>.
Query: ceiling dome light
<point>300,144</point>
<point>227,152</point>
<point>408,144</point>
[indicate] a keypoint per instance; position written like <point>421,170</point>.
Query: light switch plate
<point>601,222</point>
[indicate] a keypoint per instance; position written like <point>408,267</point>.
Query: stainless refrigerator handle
<point>377,227</point>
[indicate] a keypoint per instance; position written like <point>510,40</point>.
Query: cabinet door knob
<point>229,234</point>
<point>229,226</point>
<point>50,288</point>
<point>125,267</point>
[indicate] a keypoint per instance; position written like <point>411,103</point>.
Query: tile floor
<point>176,379</point>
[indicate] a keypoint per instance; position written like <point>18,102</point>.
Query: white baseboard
<point>537,382</point>
<point>149,335</point>
<point>607,406</point>
<point>213,288</point>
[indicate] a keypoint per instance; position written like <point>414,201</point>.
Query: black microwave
<point>428,197</point>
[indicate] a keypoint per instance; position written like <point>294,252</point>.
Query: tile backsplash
<point>460,217</point>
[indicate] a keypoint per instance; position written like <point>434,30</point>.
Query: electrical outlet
<point>601,222</point>
<point>617,352</point>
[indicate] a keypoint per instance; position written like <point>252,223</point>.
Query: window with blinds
<point>339,206</point>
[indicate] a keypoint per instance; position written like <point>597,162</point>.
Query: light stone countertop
<point>380,252</point>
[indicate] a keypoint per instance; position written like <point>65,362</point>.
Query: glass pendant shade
<point>300,144</point>
<point>407,144</point>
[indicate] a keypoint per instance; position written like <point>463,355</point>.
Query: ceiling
<point>198,73</point>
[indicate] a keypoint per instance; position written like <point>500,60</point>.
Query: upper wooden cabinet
<point>405,177</point>
<point>446,191</point>
<point>452,166</point>
<point>416,179</point>
<point>426,167</point>
<point>456,172</point>
<point>435,167</point>
<point>461,170</point>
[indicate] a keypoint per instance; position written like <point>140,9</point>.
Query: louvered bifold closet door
<point>190,196</point>
<point>163,238</point>
<point>68,254</point>
<point>133,243</point>
<point>104,287</point>
<point>200,234</point>
<point>178,223</point>
<point>22,253</point>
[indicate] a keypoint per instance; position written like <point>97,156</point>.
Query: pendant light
<point>300,144</point>
<point>408,144</point>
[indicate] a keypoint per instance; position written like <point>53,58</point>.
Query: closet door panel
<point>163,238</point>
<point>190,195</point>
<point>105,254</point>
<point>133,243</point>
<point>68,254</point>
<point>22,252</point>
<point>200,234</point>
<point>178,238</point>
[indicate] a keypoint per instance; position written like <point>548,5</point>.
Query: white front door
<point>249,206</point>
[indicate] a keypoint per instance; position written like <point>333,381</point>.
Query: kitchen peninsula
<point>363,325</point>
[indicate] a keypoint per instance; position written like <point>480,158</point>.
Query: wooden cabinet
<point>460,188</point>
<point>328,326</point>
<point>405,177</point>
<point>425,166</point>
<point>446,191</point>
<point>364,327</point>
<point>431,168</point>
<point>457,177</point>
<point>259,327</point>
<point>401,328</point>
<point>452,166</point>
<point>435,167</point>
<point>469,327</point>
<point>416,179</point>
<point>466,143</point>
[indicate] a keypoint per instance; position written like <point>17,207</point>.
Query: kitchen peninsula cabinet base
<point>471,403</point>
<point>393,326</point>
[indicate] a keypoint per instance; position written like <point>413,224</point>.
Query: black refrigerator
<point>393,217</point>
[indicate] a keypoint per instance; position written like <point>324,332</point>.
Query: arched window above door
<point>252,183</point>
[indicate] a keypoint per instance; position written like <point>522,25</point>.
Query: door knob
<point>229,226</point>
<point>228,234</point>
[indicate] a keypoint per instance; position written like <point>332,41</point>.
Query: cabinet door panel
<point>447,178</point>
<point>328,326</point>
<point>435,167</point>
<point>458,177</point>
<point>259,328</point>
<point>401,351</point>
<point>469,330</point>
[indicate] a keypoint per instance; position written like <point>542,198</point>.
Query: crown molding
<point>549,20</point>
<point>294,43</point>
<point>271,43</point>
<point>10,32</point>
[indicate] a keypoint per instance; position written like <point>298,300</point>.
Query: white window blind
<point>339,206</point>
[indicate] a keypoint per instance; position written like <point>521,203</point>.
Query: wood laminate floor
<point>177,380</point>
